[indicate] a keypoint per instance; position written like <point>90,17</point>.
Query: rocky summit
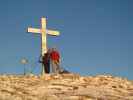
<point>65,87</point>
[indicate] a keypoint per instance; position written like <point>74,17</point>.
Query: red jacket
<point>55,55</point>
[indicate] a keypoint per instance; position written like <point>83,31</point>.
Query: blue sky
<point>96,35</point>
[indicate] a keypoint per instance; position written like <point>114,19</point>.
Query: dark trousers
<point>47,67</point>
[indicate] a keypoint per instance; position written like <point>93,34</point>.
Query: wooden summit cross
<point>43,31</point>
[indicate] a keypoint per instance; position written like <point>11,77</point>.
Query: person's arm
<point>40,59</point>
<point>59,57</point>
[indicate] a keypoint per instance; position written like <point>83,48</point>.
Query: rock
<point>65,87</point>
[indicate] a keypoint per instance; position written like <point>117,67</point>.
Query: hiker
<point>55,60</point>
<point>46,61</point>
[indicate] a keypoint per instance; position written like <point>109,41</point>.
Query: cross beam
<point>43,31</point>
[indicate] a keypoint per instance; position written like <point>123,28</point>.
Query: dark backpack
<point>64,71</point>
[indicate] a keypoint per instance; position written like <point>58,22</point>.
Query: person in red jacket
<point>55,60</point>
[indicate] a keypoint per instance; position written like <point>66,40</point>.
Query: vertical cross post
<point>44,41</point>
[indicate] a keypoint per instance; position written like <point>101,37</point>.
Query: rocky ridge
<point>65,87</point>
